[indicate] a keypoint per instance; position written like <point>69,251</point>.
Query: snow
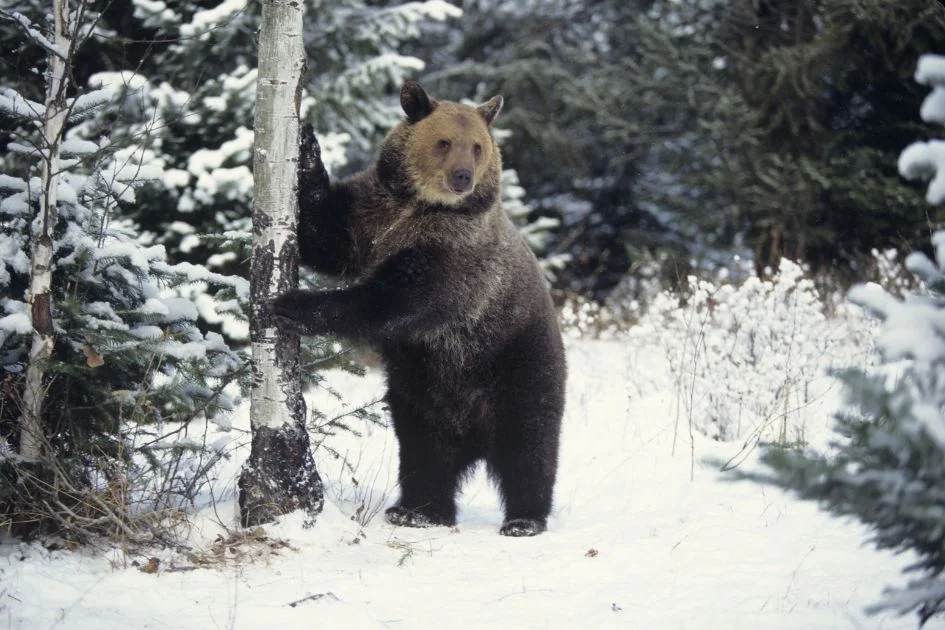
<point>12,103</point>
<point>926,160</point>
<point>78,146</point>
<point>178,309</point>
<point>204,160</point>
<point>241,79</point>
<point>930,70</point>
<point>24,149</point>
<point>13,256</point>
<point>104,310</point>
<point>215,103</point>
<point>204,21</point>
<point>12,183</point>
<point>15,205</point>
<point>914,328</point>
<point>92,100</point>
<point>147,332</point>
<point>114,82</point>
<point>435,9</point>
<point>37,36</point>
<point>237,182</point>
<point>933,107</point>
<point>371,66</point>
<point>153,306</point>
<point>15,324</point>
<point>176,178</point>
<point>212,178</point>
<point>922,160</point>
<point>137,257</point>
<point>181,228</point>
<point>196,273</point>
<point>640,538</point>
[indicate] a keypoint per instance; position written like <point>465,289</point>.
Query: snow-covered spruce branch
<point>33,32</point>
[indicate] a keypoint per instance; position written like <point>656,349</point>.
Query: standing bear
<point>442,285</point>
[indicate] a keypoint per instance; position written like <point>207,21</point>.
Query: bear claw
<point>518,527</point>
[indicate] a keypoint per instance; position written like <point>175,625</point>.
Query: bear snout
<point>461,180</point>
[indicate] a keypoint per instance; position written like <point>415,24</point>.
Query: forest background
<point>647,145</point>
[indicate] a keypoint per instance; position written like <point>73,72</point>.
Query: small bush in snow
<point>744,357</point>
<point>584,318</point>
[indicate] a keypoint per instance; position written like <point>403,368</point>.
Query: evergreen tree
<point>680,130</point>
<point>887,466</point>
<point>787,117</point>
<point>125,357</point>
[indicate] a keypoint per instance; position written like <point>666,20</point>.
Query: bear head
<point>443,154</point>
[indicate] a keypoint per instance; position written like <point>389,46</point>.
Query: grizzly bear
<point>442,285</point>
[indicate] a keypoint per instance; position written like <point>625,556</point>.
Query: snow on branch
<point>14,104</point>
<point>78,147</point>
<point>431,9</point>
<point>17,184</point>
<point>205,21</point>
<point>914,328</point>
<point>195,273</point>
<point>931,71</point>
<point>89,102</point>
<point>926,160</point>
<point>33,32</point>
<point>15,324</point>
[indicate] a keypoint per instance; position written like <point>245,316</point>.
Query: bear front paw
<point>296,310</point>
<point>518,527</point>
<point>310,153</point>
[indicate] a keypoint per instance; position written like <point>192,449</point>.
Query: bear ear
<point>490,109</point>
<point>416,102</point>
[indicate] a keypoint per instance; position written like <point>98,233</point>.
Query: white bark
<point>280,475</point>
<point>40,295</point>
<point>275,211</point>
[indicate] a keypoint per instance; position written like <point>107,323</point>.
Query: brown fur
<point>450,294</point>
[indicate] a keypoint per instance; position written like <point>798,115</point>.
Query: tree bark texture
<point>280,475</point>
<point>41,256</point>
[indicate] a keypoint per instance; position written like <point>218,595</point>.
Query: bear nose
<point>461,180</point>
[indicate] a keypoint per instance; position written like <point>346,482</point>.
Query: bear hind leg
<point>432,467</point>
<point>524,462</point>
<point>428,486</point>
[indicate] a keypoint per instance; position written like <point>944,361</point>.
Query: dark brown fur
<point>442,284</point>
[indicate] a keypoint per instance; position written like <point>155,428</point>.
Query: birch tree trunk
<point>41,263</point>
<point>280,475</point>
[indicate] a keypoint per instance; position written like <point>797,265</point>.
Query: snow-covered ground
<point>642,537</point>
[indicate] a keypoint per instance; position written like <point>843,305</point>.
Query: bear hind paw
<point>405,517</point>
<point>519,527</point>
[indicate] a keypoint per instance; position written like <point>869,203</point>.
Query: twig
<point>313,598</point>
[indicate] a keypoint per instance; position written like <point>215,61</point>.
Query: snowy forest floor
<point>641,537</point>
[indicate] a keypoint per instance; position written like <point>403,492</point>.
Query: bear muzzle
<point>461,180</point>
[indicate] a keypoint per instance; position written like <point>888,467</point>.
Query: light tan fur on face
<point>430,161</point>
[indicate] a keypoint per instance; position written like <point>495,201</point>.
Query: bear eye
<point>477,150</point>
<point>443,145</point>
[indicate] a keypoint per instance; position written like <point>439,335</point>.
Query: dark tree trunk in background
<point>280,475</point>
